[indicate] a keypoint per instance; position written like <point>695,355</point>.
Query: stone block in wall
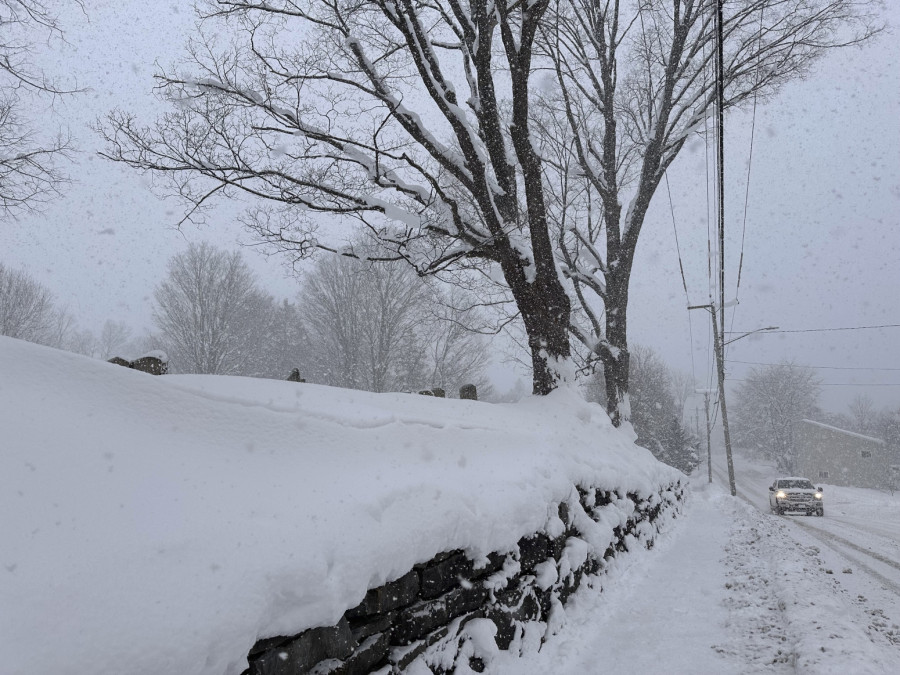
<point>268,643</point>
<point>468,391</point>
<point>462,600</point>
<point>593,566</point>
<point>309,648</point>
<point>603,497</point>
<point>394,594</point>
<point>495,562</point>
<point>402,656</point>
<point>372,653</point>
<point>367,626</point>
<point>440,577</point>
<point>417,621</point>
<point>545,600</point>
<point>155,365</point>
<point>150,364</point>
<point>570,584</point>
<point>533,550</point>
<point>511,608</point>
<point>444,572</point>
<point>558,545</point>
<point>563,511</point>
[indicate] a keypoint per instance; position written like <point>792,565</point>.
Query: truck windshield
<point>802,484</point>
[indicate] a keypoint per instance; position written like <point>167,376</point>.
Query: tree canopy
<point>421,121</point>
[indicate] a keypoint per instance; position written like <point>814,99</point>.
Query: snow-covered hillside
<point>163,524</point>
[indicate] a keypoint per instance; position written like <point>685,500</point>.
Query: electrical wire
<point>683,280</point>
<point>761,363</point>
<point>750,158</point>
<point>835,384</point>
<point>737,291</point>
<point>675,230</point>
<point>825,330</point>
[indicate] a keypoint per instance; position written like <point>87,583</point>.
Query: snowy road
<point>858,541</point>
<point>861,526</point>
<point>734,589</point>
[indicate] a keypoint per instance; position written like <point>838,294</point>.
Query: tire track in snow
<point>837,543</point>
<point>891,535</point>
<point>834,542</point>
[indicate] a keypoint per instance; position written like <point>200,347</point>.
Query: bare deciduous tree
<point>634,80</point>
<point>863,414</point>
<point>285,344</point>
<point>379,327</point>
<point>114,338</point>
<point>209,311</point>
<point>456,354</point>
<point>362,321</point>
<point>411,117</point>
<point>683,388</point>
<point>28,310</point>
<point>29,164</point>
<point>770,401</point>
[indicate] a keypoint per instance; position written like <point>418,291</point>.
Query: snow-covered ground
<point>735,589</point>
<point>162,524</point>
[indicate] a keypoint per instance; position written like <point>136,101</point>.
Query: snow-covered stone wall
<point>169,524</point>
<point>453,611</point>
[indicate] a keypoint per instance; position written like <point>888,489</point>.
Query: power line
<point>750,158</point>
<point>737,291</point>
<point>836,384</point>
<point>859,384</point>
<point>683,280</point>
<point>761,363</point>
<point>675,230</point>
<point>827,330</point>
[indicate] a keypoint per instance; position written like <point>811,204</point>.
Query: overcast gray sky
<point>821,250</point>
<point>822,244</point>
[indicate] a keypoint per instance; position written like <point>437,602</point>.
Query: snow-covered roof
<point>163,524</point>
<point>844,431</point>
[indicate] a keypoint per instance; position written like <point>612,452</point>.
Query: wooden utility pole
<point>719,329</point>
<point>719,348</point>
<point>719,341</point>
<point>720,148</point>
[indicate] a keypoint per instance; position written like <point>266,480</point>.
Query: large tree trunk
<point>541,299</point>
<point>616,358</point>
<point>546,315</point>
<point>545,308</point>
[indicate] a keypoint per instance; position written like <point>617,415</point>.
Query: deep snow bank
<point>162,524</point>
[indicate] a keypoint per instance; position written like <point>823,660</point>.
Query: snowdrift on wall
<point>162,524</point>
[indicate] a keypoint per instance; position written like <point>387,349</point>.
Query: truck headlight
<point>780,494</point>
<point>818,495</point>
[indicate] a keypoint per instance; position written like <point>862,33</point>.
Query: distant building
<point>826,454</point>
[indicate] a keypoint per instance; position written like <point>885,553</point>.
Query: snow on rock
<point>164,524</point>
<point>155,354</point>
